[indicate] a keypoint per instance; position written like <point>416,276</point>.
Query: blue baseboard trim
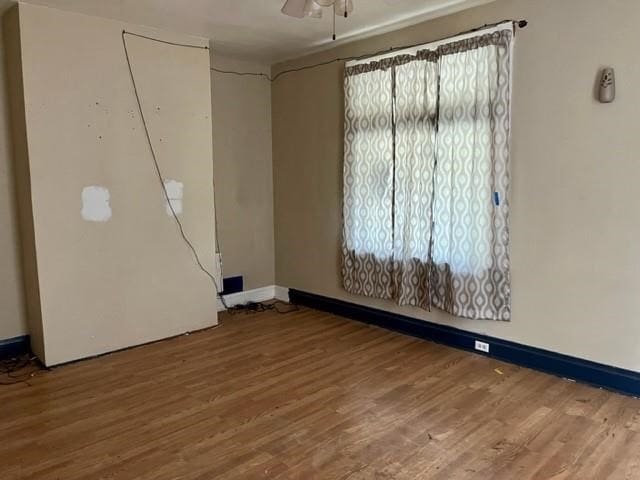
<point>585,371</point>
<point>12,347</point>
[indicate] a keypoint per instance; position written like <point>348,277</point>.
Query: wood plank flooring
<point>306,396</point>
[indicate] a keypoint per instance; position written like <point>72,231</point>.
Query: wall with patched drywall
<point>113,270</point>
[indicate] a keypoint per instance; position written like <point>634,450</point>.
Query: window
<point>426,177</point>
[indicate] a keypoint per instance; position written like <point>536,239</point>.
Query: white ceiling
<point>255,29</point>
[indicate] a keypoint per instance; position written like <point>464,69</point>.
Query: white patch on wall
<point>174,190</point>
<point>95,204</point>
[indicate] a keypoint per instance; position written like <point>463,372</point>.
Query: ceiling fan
<point>313,8</point>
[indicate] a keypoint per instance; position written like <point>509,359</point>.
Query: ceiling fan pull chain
<point>334,21</point>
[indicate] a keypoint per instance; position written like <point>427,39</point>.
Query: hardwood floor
<point>310,395</point>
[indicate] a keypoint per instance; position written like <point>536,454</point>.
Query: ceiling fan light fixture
<point>312,9</point>
<point>302,9</point>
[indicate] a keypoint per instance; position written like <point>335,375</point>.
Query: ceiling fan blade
<point>294,8</point>
<point>302,8</point>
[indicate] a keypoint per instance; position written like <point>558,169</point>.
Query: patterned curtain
<point>426,178</point>
<point>415,115</point>
<point>368,184</point>
<point>470,238</point>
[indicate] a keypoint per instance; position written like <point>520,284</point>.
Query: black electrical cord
<point>16,370</point>
<point>515,23</point>
<point>159,40</point>
<point>155,159</point>
<point>284,72</point>
<point>259,307</point>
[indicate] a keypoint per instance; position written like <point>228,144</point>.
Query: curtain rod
<point>515,23</point>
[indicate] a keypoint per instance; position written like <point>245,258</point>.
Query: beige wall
<point>242,167</point>
<point>243,171</point>
<point>574,217</point>
<point>130,280</point>
<point>12,313</point>
<point>22,180</point>
<point>574,168</point>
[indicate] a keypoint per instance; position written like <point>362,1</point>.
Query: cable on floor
<point>259,307</point>
<point>19,369</point>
